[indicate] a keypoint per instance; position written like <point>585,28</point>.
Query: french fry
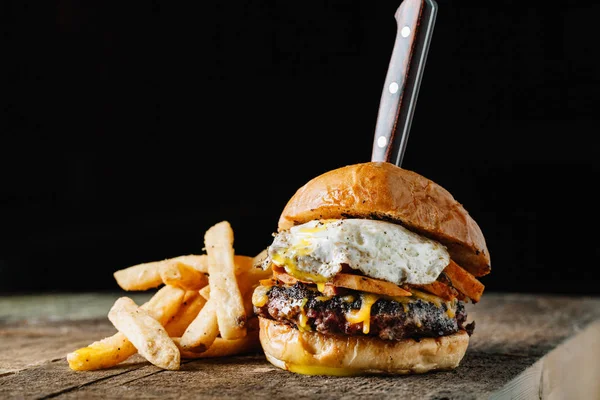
<point>190,307</point>
<point>102,354</point>
<point>247,283</point>
<point>260,257</point>
<point>205,292</point>
<point>201,336</point>
<point>248,304</point>
<point>147,335</point>
<point>176,273</point>
<point>230,310</point>
<point>222,347</point>
<point>255,274</point>
<point>164,304</point>
<point>203,310</point>
<point>147,275</point>
<point>203,330</point>
<point>139,277</point>
<point>246,287</point>
<point>200,262</point>
<point>242,263</point>
<point>197,261</point>
<point>110,351</point>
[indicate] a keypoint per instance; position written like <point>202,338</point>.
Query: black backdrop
<point>129,128</point>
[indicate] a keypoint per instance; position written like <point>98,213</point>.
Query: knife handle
<point>414,19</point>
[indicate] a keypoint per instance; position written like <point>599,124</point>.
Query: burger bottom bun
<point>313,353</point>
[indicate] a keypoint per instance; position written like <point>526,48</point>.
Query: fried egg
<point>317,251</point>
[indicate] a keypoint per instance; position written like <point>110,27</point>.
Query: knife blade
<point>415,20</point>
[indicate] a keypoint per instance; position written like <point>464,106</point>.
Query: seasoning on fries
<point>228,301</point>
<point>147,334</point>
<point>202,308</point>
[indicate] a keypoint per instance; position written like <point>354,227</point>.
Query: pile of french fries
<point>202,308</point>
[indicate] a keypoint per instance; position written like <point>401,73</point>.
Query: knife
<point>415,20</point>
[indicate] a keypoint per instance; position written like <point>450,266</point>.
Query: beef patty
<point>304,308</point>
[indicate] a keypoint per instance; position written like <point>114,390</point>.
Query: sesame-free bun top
<point>384,191</point>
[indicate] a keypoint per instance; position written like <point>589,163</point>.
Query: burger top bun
<point>382,190</point>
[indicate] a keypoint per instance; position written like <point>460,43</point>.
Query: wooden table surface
<point>524,346</point>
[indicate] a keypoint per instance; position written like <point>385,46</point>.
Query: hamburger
<point>372,266</point>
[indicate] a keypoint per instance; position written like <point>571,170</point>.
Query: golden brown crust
<point>315,353</point>
<point>382,190</point>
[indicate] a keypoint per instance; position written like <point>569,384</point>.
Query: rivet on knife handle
<point>415,20</point>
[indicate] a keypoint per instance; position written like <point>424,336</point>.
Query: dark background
<point>130,127</point>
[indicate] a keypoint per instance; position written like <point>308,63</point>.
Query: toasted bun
<point>313,353</point>
<point>381,190</point>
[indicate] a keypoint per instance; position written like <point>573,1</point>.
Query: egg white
<point>317,250</point>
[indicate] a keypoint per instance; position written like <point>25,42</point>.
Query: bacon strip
<point>464,281</point>
<point>279,274</point>
<point>350,281</point>
<point>283,277</point>
<point>440,289</point>
<point>365,284</point>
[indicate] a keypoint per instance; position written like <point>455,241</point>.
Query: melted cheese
<point>318,370</point>
<point>427,297</point>
<point>451,308</point>
<point>364,313</point>
<point>259,296</point>
<point>402,299</point>
<point>348,298</point>
<point>302,318</point>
